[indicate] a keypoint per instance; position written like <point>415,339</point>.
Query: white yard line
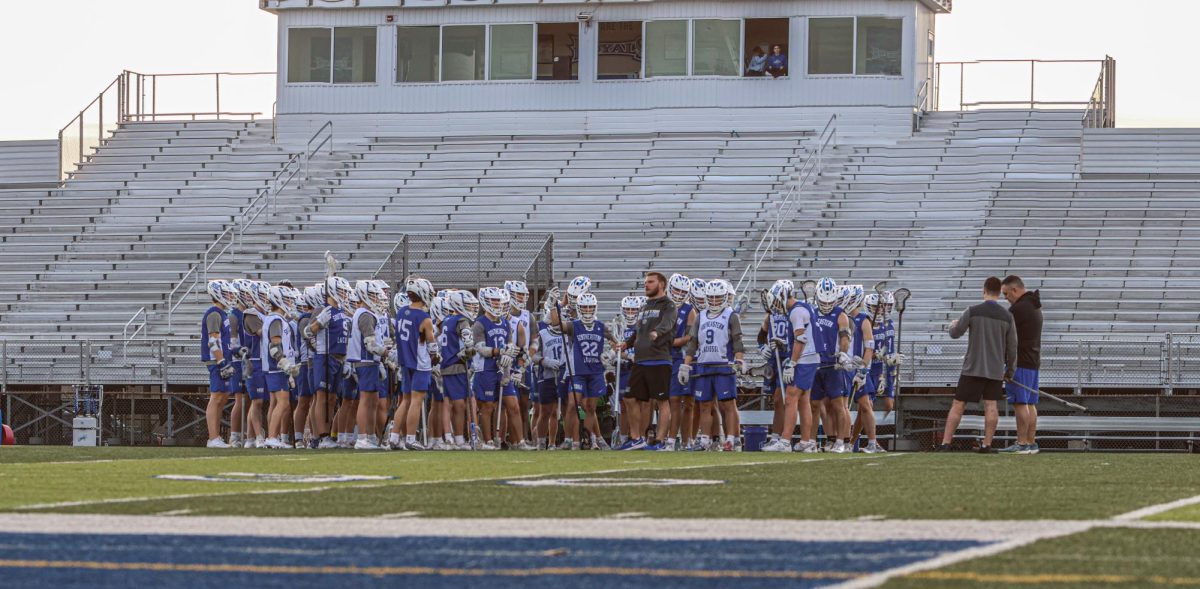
<point>1035,531</point>
<point>36,506</point>
<point>1146,512</point>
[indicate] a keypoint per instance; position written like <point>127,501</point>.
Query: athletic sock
<point>394,439</point>
<point>285,438</point>
<point>410,440</point>
<point>457,440</point>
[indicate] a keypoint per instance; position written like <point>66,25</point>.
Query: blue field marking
<point>220,562</point>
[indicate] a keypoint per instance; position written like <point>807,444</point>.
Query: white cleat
<point>217,443</point>
<point>365,444</point>
<point>488,446</point>
<point>271,444</point>
<point>777,446</point>
<point>874,448</point>
<point>327,444</point>
<point>839,448</point>
<point>809,447</point>
<point>525,446</point>
<point>301,445</point>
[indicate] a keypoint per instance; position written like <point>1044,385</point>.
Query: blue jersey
<point>496,334</point>
<point>781,327</point>
<point>408,336</point>
<point>450,341</point>
<point>825,334</point>
<point>337,333</point>
<point>685,311</point>
<point>205,354</point>
<point>586,347</point>
<point>882,341</point>
<point>626,357</point>
<point>237,315</point>
<point>857,343</point>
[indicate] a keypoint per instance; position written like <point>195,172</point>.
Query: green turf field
<point>1065,487</point>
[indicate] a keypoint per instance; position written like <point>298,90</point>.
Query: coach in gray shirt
<point>991,354</point>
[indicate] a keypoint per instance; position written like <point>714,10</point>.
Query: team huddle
<point>341,366</point>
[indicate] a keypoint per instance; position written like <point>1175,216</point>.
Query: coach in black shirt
<point>1026,309</point>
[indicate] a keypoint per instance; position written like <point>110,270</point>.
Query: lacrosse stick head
<point>331,265</point>
<point>809,288</point>
<point>880,287</point>
<point>901,296</point>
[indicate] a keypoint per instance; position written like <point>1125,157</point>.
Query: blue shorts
<point>326,372</point>
<point>679,390</point>
<point>304,381</point>
<point>216,384</point>
<point>626,370</point>
<point>455,386</point>
<point>236,384</point>
<point>869,388</point>
<point>487,384</point>
<point>277,381</point>
<point>258,383</point>
<point>722,387</point>
<point>550,391</point>
<point>413,380</point>
<point>368,380</point>
<point>804,376</point>
<point>591,386</point>
<point>830,383</point>
<point>435,392</point>
<point>1019,396</point>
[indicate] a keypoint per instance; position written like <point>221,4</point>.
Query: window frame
<point>687,49</point>
<point>396,55</point>
<point>487,58</point>
<point>332,44</point>
<point>853,47</point>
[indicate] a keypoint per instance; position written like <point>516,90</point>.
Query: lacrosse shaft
<point>1048,395</point>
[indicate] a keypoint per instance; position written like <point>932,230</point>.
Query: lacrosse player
<point>366,346</point>
<point>253,320</point>
<point>520,319</point>
<point>567,306</point>
<point>773,337</point>
<point>679,290</point>
<point>631,309</point>
<point>457,350</point>
<point>831,338</point>
<point>214,329</point>
<point>865,384</point>
<point>418,353</point>
<point>587,336</point>
<point>278,362</point>
<point>241,358</point>
<point>497,348</point>
<point>715,352</point>
<point>328,334</point>
<point>799,373</point>
<point>310,302</point>
<point>549,358</point>
<point>892,359</point>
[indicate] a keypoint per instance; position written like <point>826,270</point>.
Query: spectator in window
<point>758,64</point>
<point>777,62</point>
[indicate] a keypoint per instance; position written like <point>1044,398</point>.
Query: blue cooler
<point>755,436</point>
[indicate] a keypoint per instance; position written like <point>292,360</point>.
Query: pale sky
<point>56,55</point>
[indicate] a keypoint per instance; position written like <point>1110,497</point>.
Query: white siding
<point>28,162</point>
<point>734,99</point>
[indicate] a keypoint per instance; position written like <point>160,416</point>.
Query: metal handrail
<point>122,112</point>
<point>192,115</point>
<point>388,257</point>
<point>1031,103</point>
<point>274,123</point>
<point>125,335</point>
<point>310,151</point>
<point>806,174</point>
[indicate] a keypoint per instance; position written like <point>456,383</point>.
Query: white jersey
<point>521,323</point>
<point>551,346</point>
<point>713,345</point>
<point>322,318</point>
<point>801,318</point>
<point>356,348</point>
<point>289,352</point>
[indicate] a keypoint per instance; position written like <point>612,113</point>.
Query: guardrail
<point>806,173</point>
<point>1102,106</point>
<point>310,151</point>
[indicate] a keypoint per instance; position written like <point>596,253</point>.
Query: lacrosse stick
<point>619,323</point>
<point>1049,396</point>
<point>567,352</point>
<point>901,295</point>
<point>472,410</point>
<point>331,265</point>
<point>809,288</point>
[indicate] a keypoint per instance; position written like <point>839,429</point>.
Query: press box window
<point>830,46</point>
<point>619,55</point>
<point>716,47</point>
<point>463,52</point>
<point>879,46</point>
<point>512,52</point>
<point>558,51</point>
<point>417,54</point>
<point>342,55</point>
<point>666,48</point>
<point>864,46</point>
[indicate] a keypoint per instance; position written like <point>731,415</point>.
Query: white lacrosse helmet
<point>518,294</point>
<point>698,293</point>
<point>678,288</point>
<point>437,309</point>
<point>587,306</point>
<point>889,302</point>
<point>493,300</point>
<point>730,292</point>
<point>715,296</point>
<point>400,301</point>
<point>579,285</point>
<point>464,303</point>
<point>383,286</point>
<point>420,288</point>
<point>630,308</point>
<point>855,297</point>
<point>377,298</point>
<point>261,295</point>
<point>279,297</point>
<point>362,291</point>
<point>338,289</point>
<point>828,294</point>
<point>785,289</point>
<point>871,302</point>
<point>245,288</point>
<point>216,290</point>
<point>312,298</point>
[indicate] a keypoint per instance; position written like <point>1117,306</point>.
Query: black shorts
<point>972,389</point>
<point>650,382</point>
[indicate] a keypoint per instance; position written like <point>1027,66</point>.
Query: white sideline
<point>1156,509</point>
<point>608,528</point>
